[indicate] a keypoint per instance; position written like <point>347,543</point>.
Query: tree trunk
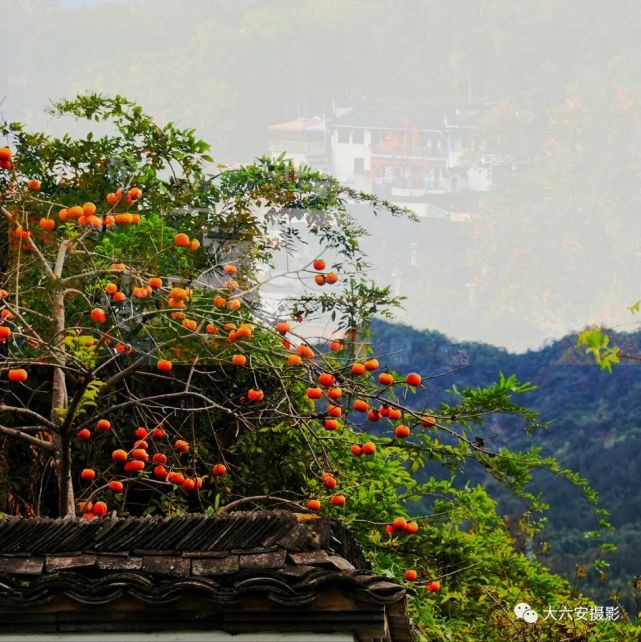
<point>66,503</point>
<point>62,441</point>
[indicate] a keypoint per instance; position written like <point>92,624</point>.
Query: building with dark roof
<point>408,156</point>
<point>263,575</point>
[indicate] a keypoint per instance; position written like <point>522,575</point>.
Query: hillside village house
<point>432,161</point>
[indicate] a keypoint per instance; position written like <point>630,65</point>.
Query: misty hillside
<point>595,427</point>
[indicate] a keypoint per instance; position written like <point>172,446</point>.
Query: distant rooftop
<point>432,119</point>
<point>301,124</point>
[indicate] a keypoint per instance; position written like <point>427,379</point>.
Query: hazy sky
<point>557,245</point>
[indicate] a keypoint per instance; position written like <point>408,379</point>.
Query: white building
<point>413,159</point>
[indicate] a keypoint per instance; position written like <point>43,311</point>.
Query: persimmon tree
<point>144,370</point>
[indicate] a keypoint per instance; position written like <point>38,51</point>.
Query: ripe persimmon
<point>331,278</point>
<point>358,369</point>
<point>181,446</point>
<point>244,332</point>
<point>330,424</point>
<point>239,359</point>
<point>334,393</point>
<point>84,434</point>
<point>119,455</point>
<point>141,432</point>
<point>428,421</point>
<point>155,282</point>
<point>282,327</point>
<point>88,474</point>
<point>369,448</point>
<point>134,466</point>
<point>360,405</point>
<point>314,393</point>
<point>182,240</point>
<point>413,379</point>
<point>255,394</point>
<point>402,431</point>
<point>313,504</point>
<point>33,185</point>
<point>124,218</point>
<point>334,411</point>
<point>219,470</point>
<point>338,500</point>
<point>326,379</point>
<point>305,351</point>
<point>294,360</point>
<point>188,485</point>
<point>164,365</point>
<point>394,414</point>
<point>140,454</point>
<point>189,324</point>
<point>319,264</point>
<point>385,379</point>
<point>99,508</point>
<point>356,450</point>
<point>116,486</point>
<point>371,364</point>
<point>410,575</point>
<point>175,478</point>
<point>98,315</point>
<point>329,480</point>
<point>160,472</point>
<point>412,527</point>
<point>47,223</point>
<point>103,424</point>
<point>17,375</point>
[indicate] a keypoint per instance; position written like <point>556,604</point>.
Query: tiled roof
<point>394,118</point>
<point>284,559</point>
<point>299,125</point>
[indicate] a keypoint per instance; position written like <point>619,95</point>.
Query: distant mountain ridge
<point>595,427</point>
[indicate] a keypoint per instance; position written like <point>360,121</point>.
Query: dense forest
<point>593,428</point>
